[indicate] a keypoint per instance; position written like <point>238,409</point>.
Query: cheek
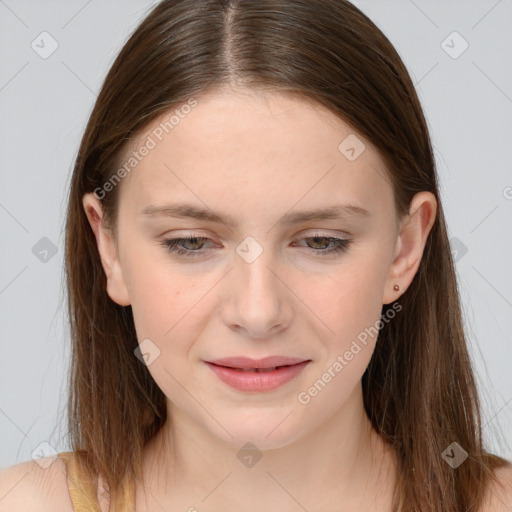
<point>349,302</point>
<point>164,305</point>
<point>168,311</point>
<point>160,295</point>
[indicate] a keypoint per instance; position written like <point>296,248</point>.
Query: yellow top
<point>94,496</point>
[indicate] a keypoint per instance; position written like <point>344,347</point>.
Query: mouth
<point>266,374</point>
<point>265,364</point>
<point>256,370</point>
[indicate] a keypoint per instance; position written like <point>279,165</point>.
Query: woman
<point>263,304</point>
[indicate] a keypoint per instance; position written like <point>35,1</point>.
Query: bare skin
<point>257,157</point>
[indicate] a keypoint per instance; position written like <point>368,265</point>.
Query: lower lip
<point>257,381</point>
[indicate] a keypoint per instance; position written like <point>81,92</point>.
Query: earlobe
<point>107,250</point>
<point>411,241</point>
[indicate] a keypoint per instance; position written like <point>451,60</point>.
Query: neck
<point>344,459</point>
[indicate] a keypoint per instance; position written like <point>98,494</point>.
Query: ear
<point>413,233</point>
<point>107,248</point>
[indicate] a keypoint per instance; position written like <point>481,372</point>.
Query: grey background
<point>44,105</point>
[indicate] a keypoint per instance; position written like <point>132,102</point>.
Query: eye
<point>338,244</point>
<point>173,245</point>
<point>320,244</point>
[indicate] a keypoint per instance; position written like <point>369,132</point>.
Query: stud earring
<point>396,287</point>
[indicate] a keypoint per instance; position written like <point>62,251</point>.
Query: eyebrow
<point>190,211</point>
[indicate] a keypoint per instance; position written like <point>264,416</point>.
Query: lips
<point>257,375</point>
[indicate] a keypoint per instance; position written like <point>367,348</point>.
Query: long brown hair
<point>419,388</point>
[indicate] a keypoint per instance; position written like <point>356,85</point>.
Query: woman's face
<point>265,282</point>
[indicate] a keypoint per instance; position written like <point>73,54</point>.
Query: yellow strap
<point>81,490</point>
<point>93,496</point>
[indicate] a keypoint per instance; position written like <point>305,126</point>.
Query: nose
<point>260,304</point>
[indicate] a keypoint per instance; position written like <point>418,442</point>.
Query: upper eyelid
<point>315,233</point>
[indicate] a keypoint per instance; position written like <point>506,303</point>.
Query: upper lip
<point>246,363</point>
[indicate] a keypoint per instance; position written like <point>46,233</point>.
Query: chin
<point>265,431</point>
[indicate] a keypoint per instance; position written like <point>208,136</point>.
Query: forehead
<point>252,148</point>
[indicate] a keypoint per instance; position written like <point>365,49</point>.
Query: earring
<point>396,287</point>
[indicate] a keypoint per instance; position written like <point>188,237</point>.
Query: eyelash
<point>172,245</point>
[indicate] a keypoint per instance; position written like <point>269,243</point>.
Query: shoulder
<point>499,495</point>
<point>35,486</point>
